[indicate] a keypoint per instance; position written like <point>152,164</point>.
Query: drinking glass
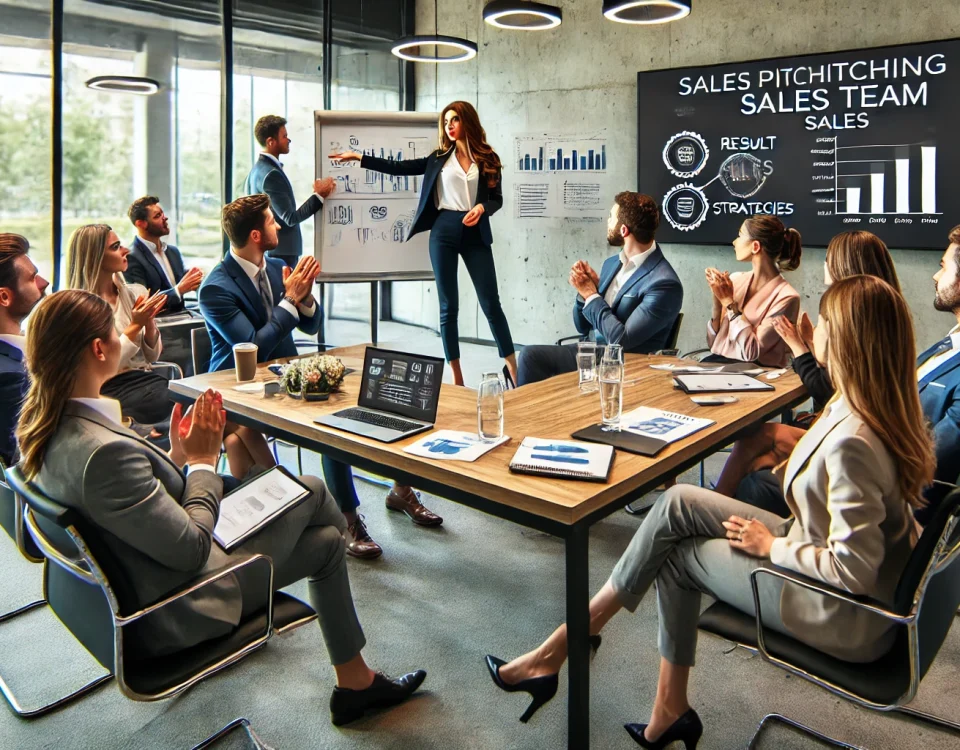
<point>587,365</point>
<point>613,353</point>
<point>611,395</point>
<point>490,407</point>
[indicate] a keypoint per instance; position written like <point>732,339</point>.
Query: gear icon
<point>686,154</point>
<point>685,206</point>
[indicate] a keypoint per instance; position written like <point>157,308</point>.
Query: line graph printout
<point>562,176</point>
<point>364,224</point>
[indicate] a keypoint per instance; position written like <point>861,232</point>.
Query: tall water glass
<point>613,353</point>
<point>490,407</point>
<point>587,365</point>
<point>611,395</point>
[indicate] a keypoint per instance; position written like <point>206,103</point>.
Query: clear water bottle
<point>490,407</point>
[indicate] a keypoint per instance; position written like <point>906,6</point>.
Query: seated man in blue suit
<point>252,298</point>
<point>152,262</point>
<point>21,288</point>
<point>634,301</point>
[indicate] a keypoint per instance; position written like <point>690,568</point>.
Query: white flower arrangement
<point>321,373</point>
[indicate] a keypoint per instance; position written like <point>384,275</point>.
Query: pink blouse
<point>751,337</point>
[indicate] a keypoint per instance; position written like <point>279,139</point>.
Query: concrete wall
<point>582,76</point>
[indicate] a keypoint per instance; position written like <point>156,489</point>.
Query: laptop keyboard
<point>379,420</point>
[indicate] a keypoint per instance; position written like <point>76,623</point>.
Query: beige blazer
<point>853,530</point>
<point>751,337</point>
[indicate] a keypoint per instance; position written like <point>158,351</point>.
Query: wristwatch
<point>733,312</point>
<point>291,300</point>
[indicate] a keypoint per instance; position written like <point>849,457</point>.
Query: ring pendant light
<point>124,85</point>
<point>410,47</point>
<point>522,16</point>
<point>646,11</point>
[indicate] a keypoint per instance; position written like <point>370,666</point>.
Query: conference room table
<point>554,408</point>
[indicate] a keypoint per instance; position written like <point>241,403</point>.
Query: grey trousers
<point>307,542</point>
<point>541,361</point>
<point>681,546</point>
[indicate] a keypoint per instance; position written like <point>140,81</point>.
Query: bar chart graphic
<point>351,179</point>
<point>574,155</point>
<point>888,179</point>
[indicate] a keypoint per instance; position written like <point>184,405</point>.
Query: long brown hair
<point>870,355</point>
<point>859,252</point>
<point>85,256</point>
<point>781,244</point>
<point>61,327</point>
<point>476,137</point>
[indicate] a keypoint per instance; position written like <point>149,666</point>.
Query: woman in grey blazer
<point>158,519</point>
<point>850,483</point>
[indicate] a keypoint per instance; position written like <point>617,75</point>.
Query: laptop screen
<point>401,383</point>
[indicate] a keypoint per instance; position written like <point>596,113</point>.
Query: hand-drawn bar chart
<point>350,179</point>
<point>574,158</point>
<point>896,179</point>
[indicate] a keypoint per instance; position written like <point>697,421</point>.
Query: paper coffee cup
<point>245,358</point>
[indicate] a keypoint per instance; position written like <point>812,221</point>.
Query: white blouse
<point>136,354</point>
<point>456,189</point>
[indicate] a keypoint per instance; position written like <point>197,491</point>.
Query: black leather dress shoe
<point>349,705</point>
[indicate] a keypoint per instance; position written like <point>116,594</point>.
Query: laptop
<point>399,393</point>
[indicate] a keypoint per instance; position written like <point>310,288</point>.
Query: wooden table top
<point>554,408</point>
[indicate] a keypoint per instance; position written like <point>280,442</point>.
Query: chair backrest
<point>675,332</point>
<point>932,575</point>
<point>200,349</point>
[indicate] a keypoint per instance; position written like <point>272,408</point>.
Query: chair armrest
<point>199,583</point>
<point>863,602</point>
<point>176,372</point>
<point>578,337</point>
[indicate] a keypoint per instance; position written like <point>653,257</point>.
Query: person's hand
<point>749,535</point>
<point>325,186</point>
<point>805,329</point>
<point>176,449</point>
<point>473,215</point>
<point>343,156</point>
<point>204,435</point>
<point>146,308</point>
<point>298,283</point>
<point>790,334</point>
<point>583,267</point>
<point>720,285</point>
<point>190,281</point>
<point>582,283</point>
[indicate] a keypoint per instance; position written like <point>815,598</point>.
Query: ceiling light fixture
<point>522,16</point>
<point>124,85</point>
<point>646,11</point>
<point>408,48</point>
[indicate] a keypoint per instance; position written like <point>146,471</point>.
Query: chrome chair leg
<point>47,708</point>
<point>799,727</point>
<point>928,718</point>
<point>235,724</point>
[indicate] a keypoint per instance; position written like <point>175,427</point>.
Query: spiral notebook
<point>563,459</point>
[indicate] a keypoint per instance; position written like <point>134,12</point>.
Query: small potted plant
<point>313,378</point>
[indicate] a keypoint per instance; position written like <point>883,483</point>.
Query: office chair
<point>671,340</point>
<point>240,734</point>
<point>90,592</point>
<point>925,604</point>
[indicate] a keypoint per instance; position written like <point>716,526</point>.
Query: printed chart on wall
<point>561,176</point>
<point>363,226</point>
<point>858,140</point>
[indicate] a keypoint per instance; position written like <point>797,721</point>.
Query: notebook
<point>255,504</point>
<point>720,383</point>
<point>646,431</point>
<point>563,459</point>
<point>452,445</point>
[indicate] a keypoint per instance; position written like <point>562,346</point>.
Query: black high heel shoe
<point>541,689</point>
<point>507,379</point>
<point>687,729</point>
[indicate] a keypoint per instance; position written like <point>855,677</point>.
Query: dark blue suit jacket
<point>144,268</point>
<point>13,389</point>
<point>940,399</point>
<point>644,310</point>
<point>430,167</point>
<point>267,177</point>
<point>234,313</point>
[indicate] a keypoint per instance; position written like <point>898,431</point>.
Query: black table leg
<point>578,644</point>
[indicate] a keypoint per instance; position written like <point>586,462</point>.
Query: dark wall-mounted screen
<point>864,139</point>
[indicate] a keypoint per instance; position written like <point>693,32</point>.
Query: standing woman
<point>461,189</point>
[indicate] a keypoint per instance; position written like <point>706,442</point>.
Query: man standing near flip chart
<point>267,176</point>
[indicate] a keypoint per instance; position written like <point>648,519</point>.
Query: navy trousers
<point>450,239</point>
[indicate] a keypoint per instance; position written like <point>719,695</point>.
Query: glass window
<point>25,141</point>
